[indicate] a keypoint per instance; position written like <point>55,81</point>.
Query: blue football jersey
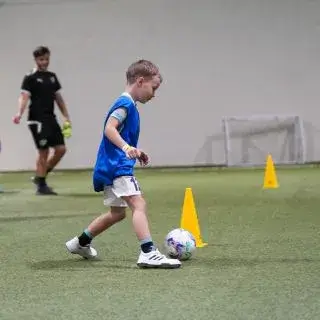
<point>111,161</point>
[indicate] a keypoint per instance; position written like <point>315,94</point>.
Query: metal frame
<point>299,144</point>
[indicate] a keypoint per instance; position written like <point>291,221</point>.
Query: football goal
<point>248,140</point>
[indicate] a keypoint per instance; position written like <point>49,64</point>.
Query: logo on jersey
<point>53,80</point>
<point>43,142</point>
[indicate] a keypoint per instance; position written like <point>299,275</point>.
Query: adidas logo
<point>156,258</point>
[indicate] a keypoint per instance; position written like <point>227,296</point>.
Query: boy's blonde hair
<point>142,68</point>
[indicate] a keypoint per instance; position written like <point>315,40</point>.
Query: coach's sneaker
<point>86,252</point>
<point>155,259</point>
<point>45,190</point>
<point>35,180</point>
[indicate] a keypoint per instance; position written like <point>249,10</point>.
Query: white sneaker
<point>86,252</point>
<point>155,259</point>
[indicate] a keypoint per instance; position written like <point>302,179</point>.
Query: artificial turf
<point>262,261</point>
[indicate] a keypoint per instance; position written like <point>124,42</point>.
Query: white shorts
<point>122,186</point>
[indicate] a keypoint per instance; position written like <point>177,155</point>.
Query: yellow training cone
<point>270,176</point>
<point>189,218</point>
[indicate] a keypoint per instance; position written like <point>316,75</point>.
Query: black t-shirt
<point>42,87</point>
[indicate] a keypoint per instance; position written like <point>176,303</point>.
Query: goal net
<point>248,140</point>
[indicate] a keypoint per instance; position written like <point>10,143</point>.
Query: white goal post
<point>248,140</point>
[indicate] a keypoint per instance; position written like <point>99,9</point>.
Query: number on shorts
<point>135,183</point>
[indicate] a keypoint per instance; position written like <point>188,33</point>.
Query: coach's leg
<point>40,178</point>
<point>56,141</point>
<point>58,153</point>
<point>41,166</point>
<point>39,135</point>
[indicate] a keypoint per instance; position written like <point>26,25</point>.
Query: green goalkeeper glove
<point>67,129</point>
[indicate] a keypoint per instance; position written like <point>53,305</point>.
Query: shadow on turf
<point>224,262</point>
<point>6,192</point>
<point>50,217</point>
<point>80,195</point>
<point>76,264</point>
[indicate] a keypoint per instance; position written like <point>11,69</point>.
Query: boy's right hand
<point>131,152</point>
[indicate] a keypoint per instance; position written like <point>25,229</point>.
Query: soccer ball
<point>180,244</point>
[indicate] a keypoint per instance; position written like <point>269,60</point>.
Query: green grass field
<point>262,261</point>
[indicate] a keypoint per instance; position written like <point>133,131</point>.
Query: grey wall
<point>218,58</point>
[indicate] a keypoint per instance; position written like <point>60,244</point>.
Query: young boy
<point>113,172</point>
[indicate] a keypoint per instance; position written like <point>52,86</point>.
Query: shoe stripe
<point>156,257</point>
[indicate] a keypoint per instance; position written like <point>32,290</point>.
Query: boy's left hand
<point>143,159</point>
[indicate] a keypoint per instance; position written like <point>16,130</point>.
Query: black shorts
<point>46,133</point>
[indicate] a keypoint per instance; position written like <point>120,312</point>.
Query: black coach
<point>41,87</point>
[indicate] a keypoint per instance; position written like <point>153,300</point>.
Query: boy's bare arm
<point>111,132</point>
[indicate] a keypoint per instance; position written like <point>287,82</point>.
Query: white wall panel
<point>218,58</point>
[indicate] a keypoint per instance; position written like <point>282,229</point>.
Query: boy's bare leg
<point>139,216</point>
<point>81,245</point>
<point>101,224</point>
<point>150,257</point>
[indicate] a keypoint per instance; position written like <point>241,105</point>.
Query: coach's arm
<point>62,106</point>
<point>23,103</point>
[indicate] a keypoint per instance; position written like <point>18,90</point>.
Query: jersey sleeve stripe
<point>26,91</point>
<point>119,114</point>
